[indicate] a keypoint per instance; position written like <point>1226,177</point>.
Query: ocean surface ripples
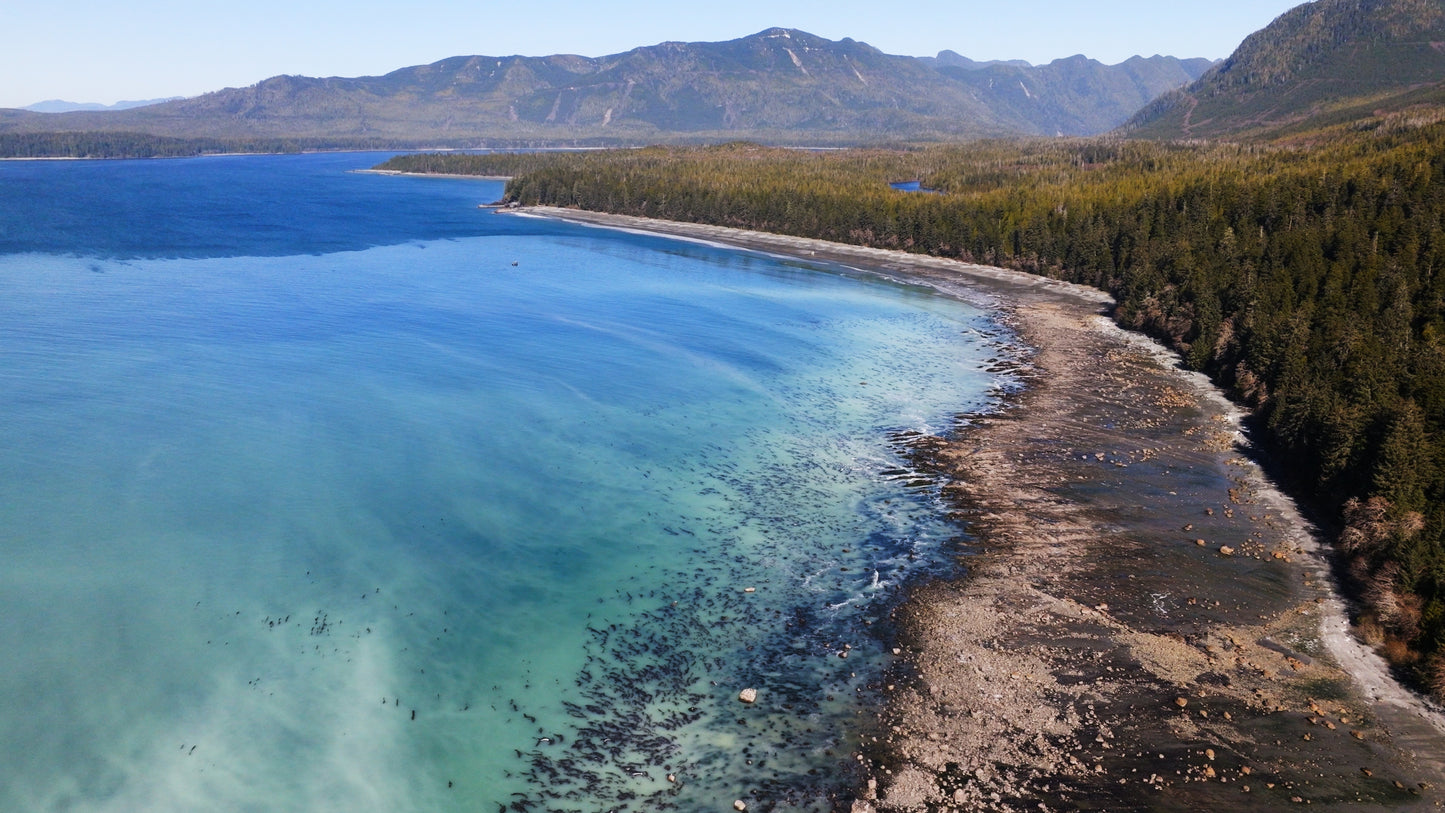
<point>328,491</point>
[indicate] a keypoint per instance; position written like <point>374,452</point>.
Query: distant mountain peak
<point>956,60</point>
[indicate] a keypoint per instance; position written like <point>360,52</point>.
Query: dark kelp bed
<point>1146,622</point>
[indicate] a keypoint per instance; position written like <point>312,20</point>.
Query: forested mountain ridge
<point>777,85</point>
<point>1309,281</point>
<point>1076,95</point>
<point>1320,63</point>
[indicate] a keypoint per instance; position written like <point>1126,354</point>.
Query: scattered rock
<point>749,695</point>
<point>740,805</point>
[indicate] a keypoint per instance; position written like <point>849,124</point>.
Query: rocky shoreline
<point>1143,627</point>
<point>1146,623</point>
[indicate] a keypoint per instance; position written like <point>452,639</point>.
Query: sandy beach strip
<point>1146,623</point>
<point>374,171</point>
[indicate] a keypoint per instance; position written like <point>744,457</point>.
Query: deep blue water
<point>331,491</point>
<point>232,206</point>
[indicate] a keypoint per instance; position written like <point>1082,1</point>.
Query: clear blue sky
<point>104,50</point>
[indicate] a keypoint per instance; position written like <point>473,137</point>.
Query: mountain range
<point>62,106</point>
<point>781,85</point>
<point>1324,63</point>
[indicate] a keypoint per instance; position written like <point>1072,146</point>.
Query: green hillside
<point>1317,64</point>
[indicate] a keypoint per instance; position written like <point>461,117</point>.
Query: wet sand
<point>1146,622</point>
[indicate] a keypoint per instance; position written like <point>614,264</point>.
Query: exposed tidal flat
<point>1146,623</point>
<point>325,490</point>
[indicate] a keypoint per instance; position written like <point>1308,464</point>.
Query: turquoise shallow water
<point>328,491</point>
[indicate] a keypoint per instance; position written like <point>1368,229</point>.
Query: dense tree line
<point>146,145</point>
<point>101,145</point>
<point>1305,278</point>
<point>506,164</point>
<point>77,144</point>
<point>121,144</point>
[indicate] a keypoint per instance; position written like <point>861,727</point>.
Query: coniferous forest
<point>114,144</point>
<point>1307,278</point>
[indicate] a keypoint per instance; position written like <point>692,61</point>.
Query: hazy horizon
<point>102,53</point>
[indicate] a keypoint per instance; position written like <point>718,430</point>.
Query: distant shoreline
<point>985,285</point>
<point>1198,676</point>
<point>375,171</point>
<point>188,156</point>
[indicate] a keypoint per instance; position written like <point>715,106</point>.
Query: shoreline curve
<point>1097,655</point>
